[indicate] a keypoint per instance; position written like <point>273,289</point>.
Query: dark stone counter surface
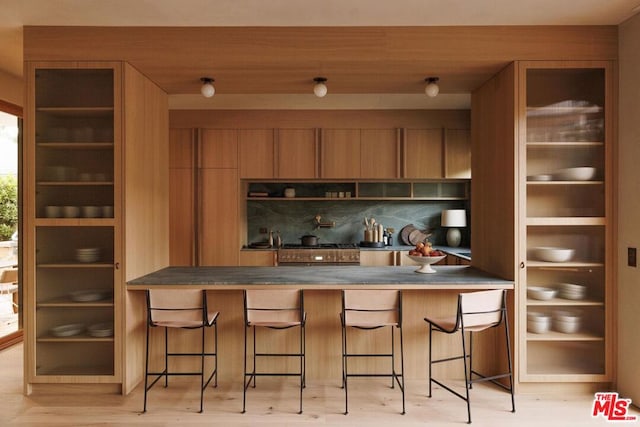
<point>342,277</point>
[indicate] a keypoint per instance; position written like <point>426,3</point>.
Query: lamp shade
<point>454,218</point>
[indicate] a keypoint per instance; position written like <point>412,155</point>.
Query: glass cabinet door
<point>566,197</point>
<point>73,220</point>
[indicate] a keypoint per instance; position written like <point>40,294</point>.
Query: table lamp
<point>454,218</point>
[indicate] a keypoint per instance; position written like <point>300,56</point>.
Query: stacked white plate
<point>566,321</point>
<point>101,330</point>
<point>541,292</point>
<point>88,254</point>
<point>89,295</point>
<point>572,291</point>
<point>67,330</point>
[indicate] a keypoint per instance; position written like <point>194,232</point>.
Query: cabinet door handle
<point>522,264</point>
<point>117,266</point>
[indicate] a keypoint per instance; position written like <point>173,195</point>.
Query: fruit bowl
<point>425,262</point>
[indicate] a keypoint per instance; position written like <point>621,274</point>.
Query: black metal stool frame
<point>301,354</point>
<point>469,372</point>
<point>395,377</point>
<point>165,373</point>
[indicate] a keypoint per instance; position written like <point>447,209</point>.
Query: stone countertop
<point>343,277</point>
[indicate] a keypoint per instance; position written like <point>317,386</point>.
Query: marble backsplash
<point>296,218</point>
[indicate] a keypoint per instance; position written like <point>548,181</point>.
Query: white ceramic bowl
<point>540,177</point>
<point>575,174</point>
<point>91,211</point>
<point>569,316</point>
<point>67,330</point>
<point>541,293</point>
<point>425,262</point>
<point>70,211</point>
<point>538,323</point>
<point>101,330</point>
<point>53,211</point>
<point>552,254</point>
<point>566,327</point>
<point>88,255</point>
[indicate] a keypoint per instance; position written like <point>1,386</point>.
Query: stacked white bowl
<point>552,254</point>
<point>88,254</point>
<point>567,321</point>
<point>572,291</point>
<point>538,322</point>
<point>541,292</point>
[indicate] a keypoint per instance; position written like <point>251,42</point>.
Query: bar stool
<point>180,309</point>
<point>372,309</point>
<point>477,311</point>
<point>273,309</point>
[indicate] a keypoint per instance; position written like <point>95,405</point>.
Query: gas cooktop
<point>320,246</point>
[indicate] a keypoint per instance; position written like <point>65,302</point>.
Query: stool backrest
<point>481,310</point>
<point>273,305</point>
<point>176,305</point>
<point>372,306</point>
<point>10,275</point>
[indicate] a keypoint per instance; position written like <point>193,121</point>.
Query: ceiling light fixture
<point>432,89</point>
<point>207,90</point>
<point>320,88</point>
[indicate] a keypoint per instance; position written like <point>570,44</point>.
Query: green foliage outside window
<point>8,206</point>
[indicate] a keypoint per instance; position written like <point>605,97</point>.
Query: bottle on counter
<point>271,238</point>
<point>385,238</point>
<point>389,236</point>
<point>380,233</point>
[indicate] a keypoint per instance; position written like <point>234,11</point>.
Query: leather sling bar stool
<point>366,310</point>
<point>275,309</point>
<point>180,309</point>
<point>477,311</point>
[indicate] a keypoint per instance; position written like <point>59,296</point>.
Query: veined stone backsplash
<point>296,218</point>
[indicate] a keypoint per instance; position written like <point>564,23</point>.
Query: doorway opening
<point>10,277</point>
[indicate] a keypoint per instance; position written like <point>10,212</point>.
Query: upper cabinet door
<point>379,153</point>
<point>423,153</point>
<point>255,149</point>
<point>457,153</point>
<point>340,152</point>
<point>219,148</point>
<point>297,154</point>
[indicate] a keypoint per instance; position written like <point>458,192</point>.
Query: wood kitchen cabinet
<point>182,187</point>
<point>457,153</point>
<point>340,153</point>
<point>423,153</point>
<point>256,153</point>
<point>297,154</point>
<point>80,215</point>
<point>566,122</point>
<point>379,153</point>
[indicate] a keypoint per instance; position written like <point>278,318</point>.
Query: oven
<point>318,255</point>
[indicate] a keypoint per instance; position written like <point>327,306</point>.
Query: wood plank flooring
<point>274,403</point>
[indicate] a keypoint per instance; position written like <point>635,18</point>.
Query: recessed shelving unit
<point>565,125</point>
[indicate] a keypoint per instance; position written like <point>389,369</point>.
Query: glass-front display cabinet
<point>72,209</point>
<point>565,205</point>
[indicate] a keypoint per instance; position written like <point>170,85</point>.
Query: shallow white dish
<point>67,330</point>
<point>89,295</point>
<point>540,177</point>
<point>88,255</point>
<point>552,254</point>
<point>541,293</point>
<point>425,262</point>
<point>566,327</point>
<point>100,330</point>
<point>584,173</point>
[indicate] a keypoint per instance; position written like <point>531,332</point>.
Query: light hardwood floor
<point>274,403</point>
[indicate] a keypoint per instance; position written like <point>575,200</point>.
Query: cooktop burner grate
<point>320,246</point>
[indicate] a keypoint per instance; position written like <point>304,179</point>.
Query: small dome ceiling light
<point>432,89</point>
<point>207,90</point>
<point>320,88</point>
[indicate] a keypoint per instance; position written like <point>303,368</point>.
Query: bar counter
<point>323,277</point>
<point>422,294</point>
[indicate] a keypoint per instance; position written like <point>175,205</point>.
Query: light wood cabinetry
<point>379,153</point>
<point>566,122</point>
<point>340,153</point>
<point>457,153</point>
<point>297,154</point>
<point>219,148</point>
<point>77,208</point>
<point>256,153</point>
<point>423,153</point>
<point>182,179</point>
